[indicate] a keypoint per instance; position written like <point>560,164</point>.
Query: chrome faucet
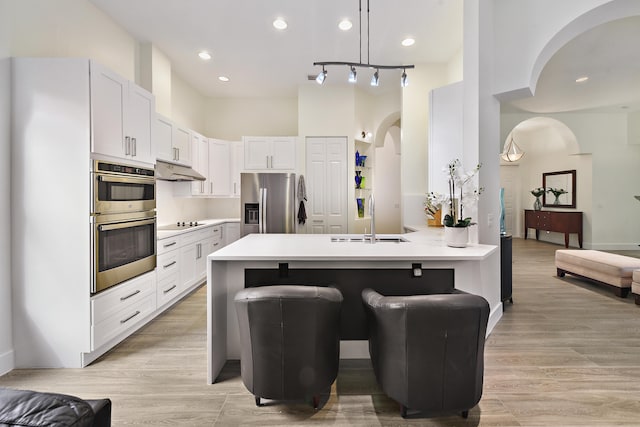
<point>372,215</point>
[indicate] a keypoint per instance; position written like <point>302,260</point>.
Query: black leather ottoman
<point>37,409</point>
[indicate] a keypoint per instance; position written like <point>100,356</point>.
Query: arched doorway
<point>549,146</point>
<point>387,175</point>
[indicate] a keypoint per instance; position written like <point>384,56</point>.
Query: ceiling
<point>261,61</point>
<point>608,55</point>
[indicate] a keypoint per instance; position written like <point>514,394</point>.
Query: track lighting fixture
<point>375,79</point>
<point>353,76</point>
<point>352,65</point>
<point>321,76</point>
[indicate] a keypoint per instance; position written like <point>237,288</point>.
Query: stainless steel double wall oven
<point>123,218</point>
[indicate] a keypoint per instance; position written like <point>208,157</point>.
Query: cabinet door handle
<point>134,148</point>
<point>234,188</point>
<point>271,162</point>
<point>130,317</point>
<point>216,244</point>
<point>169,265</point>
<point>169,244</point>
<point>211,184</point>
<point>127,145</point>
<point>178,151</point>
<point>170,289</point>
<point>130,295</point>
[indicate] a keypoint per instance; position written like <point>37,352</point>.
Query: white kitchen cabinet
<point>200,160</point>
<point>237,166</point>
<point>269,153</point>
<point>219,167</point>
<point>172,141</point>
<point>168,273</point>
<point>230,232</point>
<point>326,183</point>
<point>117,310</point>
<point>121,116</point>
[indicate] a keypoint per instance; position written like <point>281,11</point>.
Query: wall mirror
<point>563,184</point>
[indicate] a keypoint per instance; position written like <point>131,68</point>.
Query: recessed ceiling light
<point>408,42</point>
<point>223,78</point>
<point>280,24</point>
<point>345,25</point>
<point>204,55</point>
<point>582,79</point>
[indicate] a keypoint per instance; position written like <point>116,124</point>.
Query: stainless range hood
<point>170,172</point>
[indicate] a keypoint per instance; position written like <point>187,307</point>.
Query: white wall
<point>6,342</point>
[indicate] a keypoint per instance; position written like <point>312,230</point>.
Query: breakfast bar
<point>347,261</point>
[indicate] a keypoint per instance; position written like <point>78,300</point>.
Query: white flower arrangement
<point>460,185</point>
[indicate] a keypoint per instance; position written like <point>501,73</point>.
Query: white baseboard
<point>7,362</point>
<point>615,246</point>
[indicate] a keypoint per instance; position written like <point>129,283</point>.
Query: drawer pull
<point>169,244</point>
<point>170,289</point>
<point>130,317</point>
<point>130,295</point>
<point>169,265</point>
<point>216,244</point>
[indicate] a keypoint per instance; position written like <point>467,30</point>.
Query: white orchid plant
<point>461,184</point>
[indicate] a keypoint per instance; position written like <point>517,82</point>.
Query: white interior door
<point>326,183</point>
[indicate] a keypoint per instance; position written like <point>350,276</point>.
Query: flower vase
<point>456,237</point>
<point>557,200</point>
<point>360,204</point>
<point>358,179</point>
<point>537,205</point>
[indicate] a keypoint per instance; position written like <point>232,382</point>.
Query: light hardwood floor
<point>567,353</point>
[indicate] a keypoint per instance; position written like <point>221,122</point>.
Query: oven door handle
<point>125,180</point>
<point>127,224</point>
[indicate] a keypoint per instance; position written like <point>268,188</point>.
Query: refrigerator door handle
<point>260,207</point>
<point>263,219</point>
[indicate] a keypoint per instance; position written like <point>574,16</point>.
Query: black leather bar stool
<point>427,351</point>
<point>289,340</point>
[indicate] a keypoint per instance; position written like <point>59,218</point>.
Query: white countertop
<point>165,234</point>
<point>426,244</point>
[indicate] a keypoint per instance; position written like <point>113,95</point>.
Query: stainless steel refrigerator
<point>267,203</point>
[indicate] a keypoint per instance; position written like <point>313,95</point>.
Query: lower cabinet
<point>181,265</point>
<point>119,309</point>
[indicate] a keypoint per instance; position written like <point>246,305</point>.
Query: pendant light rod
<point>360,63</point>
<point>360,27</point>
<point>368,30</point>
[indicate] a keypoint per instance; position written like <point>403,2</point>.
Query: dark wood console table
<point>561,222</point>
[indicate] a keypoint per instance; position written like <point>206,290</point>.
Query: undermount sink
<point>389,239</point>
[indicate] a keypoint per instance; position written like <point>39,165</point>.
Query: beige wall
<point>415,113</point>
<point>64,28</point>
<point>188,106</point>
<point>6,342</point>
<point>233,118</point>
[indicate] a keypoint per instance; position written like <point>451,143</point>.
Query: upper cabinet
<point>122,116</point>
<point>200,161</point>
<point>237,166</point>
<point>173,142</point>
<point>269,153</point>
<point>219,167</point>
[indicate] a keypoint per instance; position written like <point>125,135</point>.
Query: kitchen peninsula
<point>421,259</point>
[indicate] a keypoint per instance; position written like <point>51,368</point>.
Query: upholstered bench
<point>609,269</point>
<point>635,285</point>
